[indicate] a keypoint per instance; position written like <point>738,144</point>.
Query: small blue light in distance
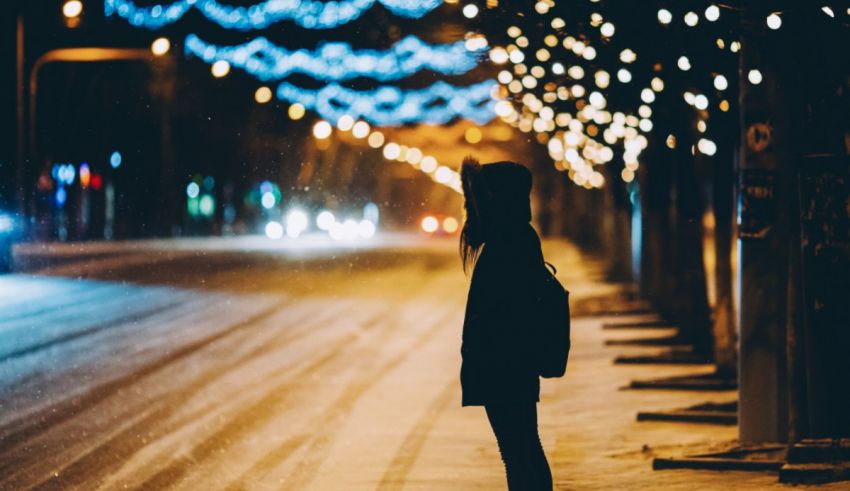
<point>7,223</point>
<point>268,200</point>
<point>115,159</point>
<point>192,190</point>
<point>61,197</point>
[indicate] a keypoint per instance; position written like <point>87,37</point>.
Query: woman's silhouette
<point>503,250</point>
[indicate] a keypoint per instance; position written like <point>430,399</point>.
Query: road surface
<point>236,365</point>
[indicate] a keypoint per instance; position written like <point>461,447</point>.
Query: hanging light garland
<point>311,14</point>
<point>338,61</point>
<point>570,135</point>
<point>391,106</point>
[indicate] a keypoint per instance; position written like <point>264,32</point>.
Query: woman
<point>497,372</point>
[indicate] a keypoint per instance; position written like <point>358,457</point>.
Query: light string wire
<point>309,14</point>
<point>337,61</point>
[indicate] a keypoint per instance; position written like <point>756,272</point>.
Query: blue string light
<point>336,61</point>
<point>306,13</point>
<point>391,106</point>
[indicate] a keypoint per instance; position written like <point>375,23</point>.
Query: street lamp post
<point>63,55</point>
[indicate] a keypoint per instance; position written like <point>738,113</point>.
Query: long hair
<point>475,200</point>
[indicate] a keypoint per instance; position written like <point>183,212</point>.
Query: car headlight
<point>7,223</point>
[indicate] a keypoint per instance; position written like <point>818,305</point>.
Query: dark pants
<point>515,426</point>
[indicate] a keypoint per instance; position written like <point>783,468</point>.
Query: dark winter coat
<point>497,356</point>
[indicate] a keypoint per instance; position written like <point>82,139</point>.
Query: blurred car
<point>8,235</point>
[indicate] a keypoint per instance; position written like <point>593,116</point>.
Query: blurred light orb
<point>589,53</point>
<point>443,174</point>
<point>325,220</point>
<point>541,7</point>
<point>720,82</point>
<point>450,225</point>
<point>428,164</point>
<point>274,230</point>
<point>376,139</point>
<point>647,96</point>
<point>207,205</point>
<point>754,76</point>
<point>657,84</point>
<point>470,10</point>
<point>628,56</point>
<point>504,108</point>
<point>774,21</point>
<point>701,102</point>
<point>706,146</point>
<point>392,151</point>
<point>345,123</point>
<point>664,16</point>
<point>322,130</point>
<point>263,95</point>
<point>514,31</point>
<point>160,46</point>
<point>683,63</point>
<point>366,229</point>
<point>624,75</point>
<point>517,56</point>
<point>349,229</point>
<point>597,180</point>
<point>72,9</point>
<point>115,159</point>
<point>828,11</point>
<point>268,200</point>
<point>360,129</point>
<point>597,100</point>
<point>557,68</point>
<point>430,224</point>
<point>498,55</point>
<point>192,190</point>
<point>712,13</point>
<point>607,29</point>
<point>220,68</point>
<point>296,223</point>
<point>472,135</point>
<point>691,19</point>
<point>296,111</point>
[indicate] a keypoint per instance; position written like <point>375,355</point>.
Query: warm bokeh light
<point>322,130</point>
<point>220,68</point>
<point>360,129</point>
<point>296,111</point>
<point>263,95</point>
<point>450,225</point>
<point>160,46</point>
<point>72,9</point>
<point>473,135</point>
<point>345,123</point>
<point>430,224</point>
<point>376,139</point>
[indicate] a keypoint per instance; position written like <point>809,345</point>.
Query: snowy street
<point>225,367</point>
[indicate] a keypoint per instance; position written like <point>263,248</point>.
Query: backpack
<point>552,342</point>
